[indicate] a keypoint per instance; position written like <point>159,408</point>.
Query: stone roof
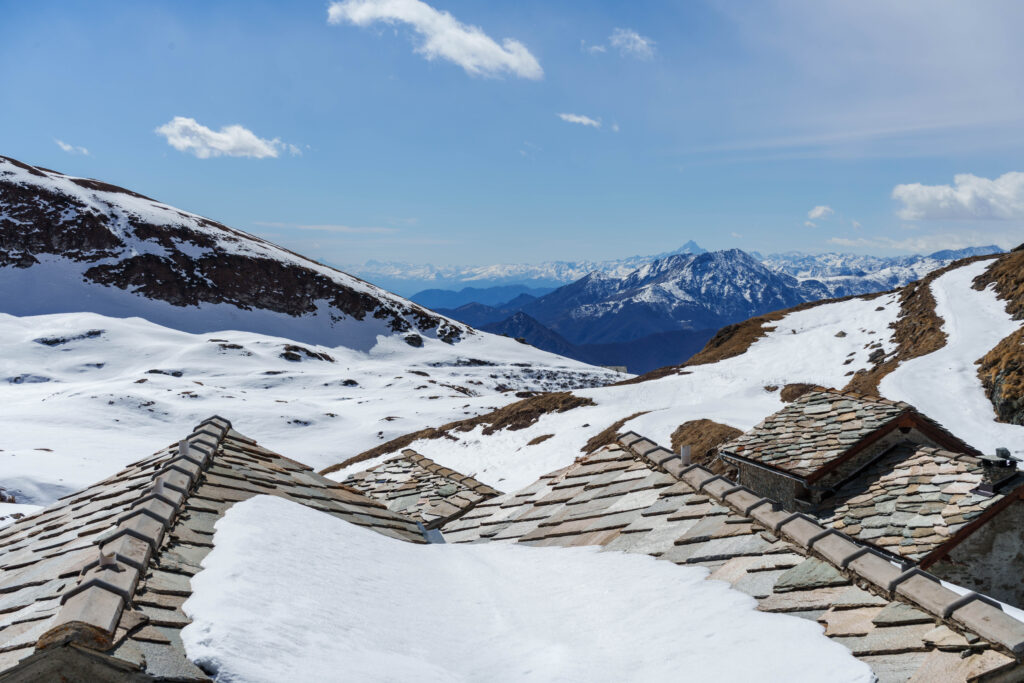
<point>821,427</point>
<point>417,486</point>
<point>94,583</point>
<point>912,500</point>
<point>633,496</point>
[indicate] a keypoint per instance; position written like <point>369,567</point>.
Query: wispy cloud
<point>630,43</point>
<point>926,244</point>
<point>71,149</point>
<point>819,212</point>
<point>344,229</point>
<point>529,150</point>
<point>969,197</point>
<point>443,36</point>
<point>580,119</point>
<point>188,135</point>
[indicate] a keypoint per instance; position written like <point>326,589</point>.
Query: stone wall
<point>991,560</point>
<point>769,484</point>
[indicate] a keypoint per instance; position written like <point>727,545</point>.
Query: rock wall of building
<point>991,560</point>
<point>769,484</point>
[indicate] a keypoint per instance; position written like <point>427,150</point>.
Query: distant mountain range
<point>407,278</point>
<point>490,296</point>
<point>663,311</point>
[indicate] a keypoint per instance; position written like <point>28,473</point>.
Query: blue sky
<point>431,132</point>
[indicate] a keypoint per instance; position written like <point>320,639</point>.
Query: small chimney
<point>107,560</point>
<point>684,455</point>
<point>996,470</point>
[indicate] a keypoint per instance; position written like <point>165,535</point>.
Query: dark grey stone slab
<point>809,574</point>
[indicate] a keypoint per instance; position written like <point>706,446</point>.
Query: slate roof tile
<point>818,428</point>
<point>911,520</point>
<point>419,487</point>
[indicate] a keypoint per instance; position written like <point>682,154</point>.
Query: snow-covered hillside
<point>824,344</point>
<point>72,244</point>
<point>85,394</point>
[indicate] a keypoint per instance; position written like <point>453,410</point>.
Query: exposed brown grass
<point>514,416</point>
<point>1007,274</point>
<point>792,392</point>
<point>539,439</point>
<point>1002,374</point>
<point>704,437</point>
<point>608,434</point>
<point>1001,370</point>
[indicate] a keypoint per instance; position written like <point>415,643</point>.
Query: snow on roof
<point>106,570</point>
<point>291,595</point>
<point>638,498</point>
<point>821,427</point>
<point>417,486</point>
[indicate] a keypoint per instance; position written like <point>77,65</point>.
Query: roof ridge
<point>448,473</point>
<point>868,567</point>
<point>91,610</point>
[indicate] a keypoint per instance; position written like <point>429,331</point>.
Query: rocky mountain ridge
<point>72,244</point>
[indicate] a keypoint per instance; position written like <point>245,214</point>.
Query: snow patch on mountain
<point>824,344</point>
<point>945,384</point>
<point>739,391</point>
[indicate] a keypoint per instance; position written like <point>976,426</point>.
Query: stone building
<point>91,587</point>
<point>418,487</point>
<point>635,497</point>
<point>800,455</point>
<point>958,516</point>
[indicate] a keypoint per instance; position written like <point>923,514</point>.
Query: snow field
<point>290,593</point>
<point>76,412</point>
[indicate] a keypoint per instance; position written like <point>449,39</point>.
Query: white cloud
<point>71,149</point>
<point>856,225</point>
<point>926,244</point>
<point>629,42</point>
<point>970,197</point>
<point>188,135</point>
<point>820,212</point>
<point>345,229</point>
<point>580,119</point>
<point>736,235</point>
<point>809,224</point>
<point>443,36</point>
